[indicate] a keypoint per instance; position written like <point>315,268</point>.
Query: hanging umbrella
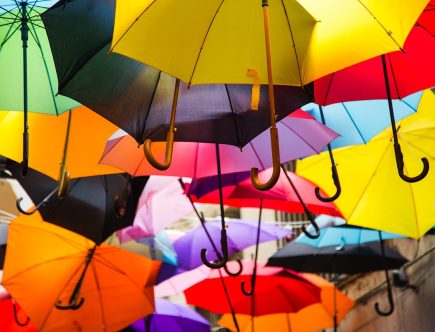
<point>13,318</point>
<point>69,283</point>
<point>290,291</point>
<point>241,234</point>
<point>196,160</point>
<point>171,317</point>
<point>25,50</point>
<point>146,103</point>
<point>223,42</point>
<point>153,215</point>
<point>375,197</point>
<point>156,247</point>
<point>95,207</point>
<point>88,133</point>
<point>303,320</point>
<point>282,197</point>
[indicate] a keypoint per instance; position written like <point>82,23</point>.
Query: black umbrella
<point>143,101</point>
<point>94,207</point>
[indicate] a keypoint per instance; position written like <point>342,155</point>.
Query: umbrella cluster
<point>120,120</point>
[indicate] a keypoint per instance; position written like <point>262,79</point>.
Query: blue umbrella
<point>344,235</point>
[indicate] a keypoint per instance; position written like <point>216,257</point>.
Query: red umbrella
<point>277,290</point>
<point>409,71</point>
<point>281,197</point>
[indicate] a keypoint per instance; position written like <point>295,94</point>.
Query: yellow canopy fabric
<point>373,195</point>
<point>217,41</point>
<point>42,266</point>
<point>312,318</point>
<point>88,135</point>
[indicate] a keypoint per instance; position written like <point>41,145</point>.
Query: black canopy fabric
<point>89,206</point>
<point>138,98</point>
<point>351,259</point>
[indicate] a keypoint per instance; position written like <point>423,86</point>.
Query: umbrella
<point>152,216</point>
<point>333,302</point>
<point>156,247</point>
<point>146,103</point>
<point>223,42</point>
<point>95,206</point>
<point>196,160</point>
<point>25,50</point>
<point>171,317</point>
<point>289,290</point>
<point>69,283</point>
<point>241,234</point>
<point>375,198</point>
<point>88,133</point>
<point>13,317</point>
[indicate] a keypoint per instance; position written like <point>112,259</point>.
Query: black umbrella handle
<point>337,184</point>
<point>221,261</point>
<point>16,316</point>
<point>313,223</point>
<point>234,274</point>
<point>45,200</point>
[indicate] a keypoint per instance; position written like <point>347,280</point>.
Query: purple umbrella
<point>241,234</point>
<point>171,317</point>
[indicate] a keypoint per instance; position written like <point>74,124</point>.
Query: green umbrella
<point>28,82</point>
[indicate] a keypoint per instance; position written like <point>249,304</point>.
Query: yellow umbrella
<point>88,135</point>
<point>373,194</point>
<point>220,41</point>
<point>312,318</point>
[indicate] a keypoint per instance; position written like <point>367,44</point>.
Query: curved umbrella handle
<point>45,200</point>
<point>390,310</point>
<point>221,260</point>
<point>275,164</point>
<point>168,152</point>
<point>251,291</point>
<point>169,137</point>
<point>16,316</point>
<point>234,274</point>
<point>315,226</point>
<point>71,305</point>
<point>337,184</point>
<point>400,166</point>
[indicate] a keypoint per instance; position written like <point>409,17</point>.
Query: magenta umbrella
<point>153,214</point>
<point>301,136</point>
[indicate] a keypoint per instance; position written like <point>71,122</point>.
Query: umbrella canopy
<point>348,259</point>
<point>88,134</point>
<point>281,197</point>
<point>217,42</point>
<point>409,70</point>
<point>312,318</point>
<point>290,291</point>
<point>304,135</point>
<point>113,292</point>
<point>344,235</point>
<point>152,214</point>
<point>241,234</point>
<point>10,321</point>
<point>93,205</point>
<point>171,317</point>
<point>138,98</point>
<point>373,195</point>
<point>359,121</point>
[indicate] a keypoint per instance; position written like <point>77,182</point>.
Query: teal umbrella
<point>29,81</point>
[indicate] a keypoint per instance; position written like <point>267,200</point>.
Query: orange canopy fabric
<point>42,267</point>
<point>312,318</point>
<point>88,135</point>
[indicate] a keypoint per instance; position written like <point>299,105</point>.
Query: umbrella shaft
<point>24,39</point>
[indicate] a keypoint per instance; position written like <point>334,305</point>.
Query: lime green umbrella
<point>28,82</point>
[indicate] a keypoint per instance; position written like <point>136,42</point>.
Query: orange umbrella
<point>315,317</point>
<point>64,282</point>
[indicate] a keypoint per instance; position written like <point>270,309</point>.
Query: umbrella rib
<point>8,35</point>
<point>103,315</point>
<point>369,181</point>
<point>300,136</point>
<point>143,127</point>
<point>10,11</point>
<point>294,43</point>
<point>354,123</point>
<point>195,165</point>
<point>234,117</point>
<point>203,41</point>
<point>256,154</point>
<point>418,148</point>
<point>389,34</point>
<point>35,37</point>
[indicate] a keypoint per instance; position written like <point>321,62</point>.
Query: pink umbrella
<point>304,136</point>
<point>153,214</point>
